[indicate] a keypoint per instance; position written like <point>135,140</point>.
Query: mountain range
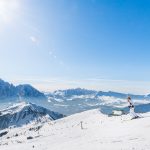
<point>72,101</point>
<point>79,91</point>
<point>25,125</point>
<point>67,101</point>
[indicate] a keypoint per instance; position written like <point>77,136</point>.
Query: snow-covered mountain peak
<point>24,113</point>
<point>14,108</point>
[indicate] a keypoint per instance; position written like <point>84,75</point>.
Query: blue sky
<point>95,44</point>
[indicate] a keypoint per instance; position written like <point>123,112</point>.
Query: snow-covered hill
<point>90,130</point>
<point>24,113</point>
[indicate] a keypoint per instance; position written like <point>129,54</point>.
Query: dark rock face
<point>29,138</point>
<point>3,133</point>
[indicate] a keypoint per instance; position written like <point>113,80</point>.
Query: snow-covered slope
<point>90,130</point>
<point>23,113</point>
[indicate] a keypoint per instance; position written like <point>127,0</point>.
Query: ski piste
<point>131,119</point>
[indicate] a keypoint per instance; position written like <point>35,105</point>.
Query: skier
<point>131,107</point>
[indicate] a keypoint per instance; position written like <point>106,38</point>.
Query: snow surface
<point>98,132</point>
